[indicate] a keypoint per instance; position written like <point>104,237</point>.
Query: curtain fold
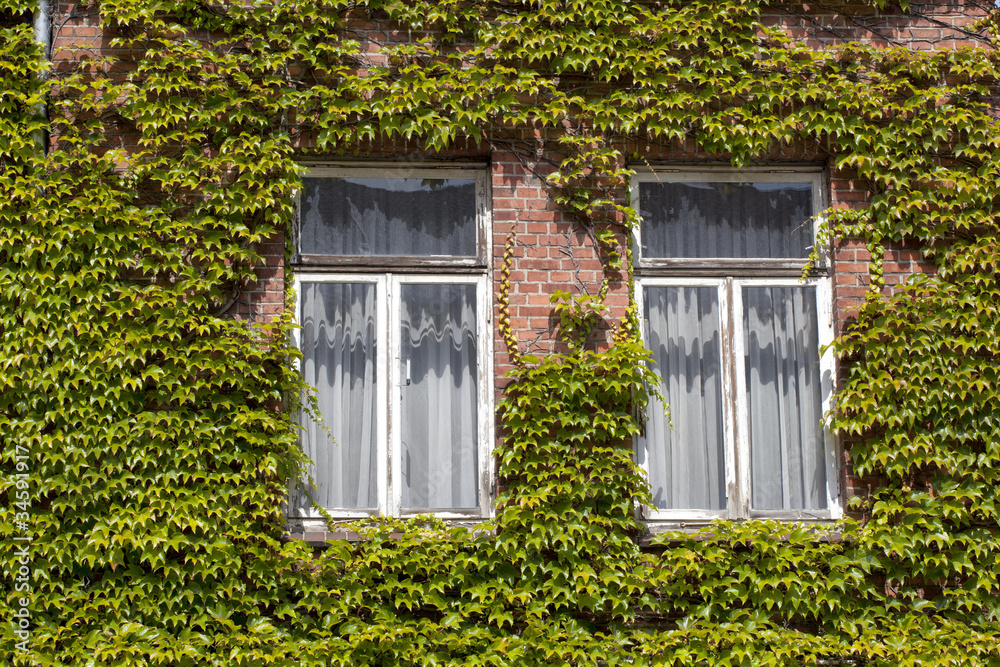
<point>685,448</point>
<point>439,402</point>
<point>784,398</point>
<point>339,360</point>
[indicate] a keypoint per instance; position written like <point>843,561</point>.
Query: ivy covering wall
<point>146,431</point>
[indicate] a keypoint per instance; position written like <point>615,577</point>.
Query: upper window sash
<point>694,259</point>
<point>389,248</point>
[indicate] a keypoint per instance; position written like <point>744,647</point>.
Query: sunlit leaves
<point>155,421</point>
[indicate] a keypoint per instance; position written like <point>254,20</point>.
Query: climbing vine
<point>147,441</point>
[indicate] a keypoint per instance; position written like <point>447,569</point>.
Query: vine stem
<point>503,300</point>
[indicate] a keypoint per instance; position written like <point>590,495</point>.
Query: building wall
<point>553,251</point>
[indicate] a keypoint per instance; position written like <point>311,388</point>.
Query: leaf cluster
<point>146,405</point>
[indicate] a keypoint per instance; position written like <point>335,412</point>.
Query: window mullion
<point>388,428</point>
<point>738,375</point>
<point>733,472</point>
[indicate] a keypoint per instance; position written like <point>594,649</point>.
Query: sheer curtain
<point>338,359</point>
<point>747,220</point>
<point>784,398</point>
<point>388,216</point>
<point>685,449</point>
<point>439,429</point>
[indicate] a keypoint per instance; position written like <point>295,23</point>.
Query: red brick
<point>848,291</point>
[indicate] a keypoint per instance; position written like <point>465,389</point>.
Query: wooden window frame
<point>729,276</point>
<point>389,274</point>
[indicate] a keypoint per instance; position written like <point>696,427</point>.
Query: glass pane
<point>439,403</point>
<point>733,220</point>
<point>784,398</point>
<point>685,446</point>
<point>388,216</point>
<point>338,359</point>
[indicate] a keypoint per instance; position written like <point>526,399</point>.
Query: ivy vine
<point>151,423</point>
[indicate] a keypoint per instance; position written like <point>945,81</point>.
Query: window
<point>394,307</point>
<point>736,338</point>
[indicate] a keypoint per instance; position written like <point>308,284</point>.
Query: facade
<point>397,262</point>
<point>418,248</point>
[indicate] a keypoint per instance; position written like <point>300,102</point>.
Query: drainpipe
<point>43,35</point>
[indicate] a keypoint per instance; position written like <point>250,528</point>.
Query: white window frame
<point>388,275</point>
<point>729,277</point>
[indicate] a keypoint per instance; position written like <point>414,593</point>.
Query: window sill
<point>318,535</point>
<point>674,519</point>
<point>655,529</point>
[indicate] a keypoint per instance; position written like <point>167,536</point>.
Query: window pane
<point>685,448</point>
<point>388,216</point>
<point>733,220</point>
<point>784,398</point>
<point>338,359</point>
<point>439,429</point>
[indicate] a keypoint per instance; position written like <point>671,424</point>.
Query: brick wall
<point>553,252</point>
<point>927,24</point>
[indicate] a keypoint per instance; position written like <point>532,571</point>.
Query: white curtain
<point>438,405</point>
<point>784,398</point>
<point>686,455</point>
<point>339,360</point>
<point>726,219</point>
<point>388,216</point>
